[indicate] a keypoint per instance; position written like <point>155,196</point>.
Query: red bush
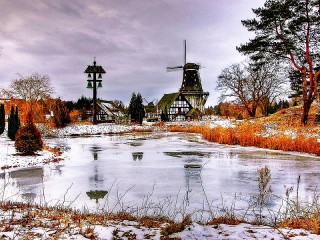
<point>28,138</point>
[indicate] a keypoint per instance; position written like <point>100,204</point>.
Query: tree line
<point>34,93</point>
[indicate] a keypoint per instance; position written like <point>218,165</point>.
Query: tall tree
<point>164,115</point>
<point>31,87</point>
<point>136,108</point>
<point>61,115</point>
<point>288,30</point>
<point>2,118</point>
<point>13,123</point>
<point>251,85</point>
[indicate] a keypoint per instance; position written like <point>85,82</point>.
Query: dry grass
<point>291,117</point>
<point>225,220</point>
<point>61,220</point>
<point>309,223</point>
<point>175,227</point>
<point>54,150</point>
<point>142,130</point>
<point>254,133</point>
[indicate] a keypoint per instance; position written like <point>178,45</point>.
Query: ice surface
<point>133,166</point>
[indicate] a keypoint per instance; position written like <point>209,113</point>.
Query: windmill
<point>191,85</point>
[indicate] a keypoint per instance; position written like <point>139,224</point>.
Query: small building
<point>108,111</point>
<point>176,107</point>
<point>151,114</point>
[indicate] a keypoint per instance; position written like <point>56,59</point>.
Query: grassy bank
<point>280,131</point>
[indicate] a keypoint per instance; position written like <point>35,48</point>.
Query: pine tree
<point>13,123</point>
<point>136,108</point>
<point>11,133</point>
<point>140,108</point>
<point>2,119</point>
<point>16,121</point>
<point>28,137</point>
<point>164,115</point>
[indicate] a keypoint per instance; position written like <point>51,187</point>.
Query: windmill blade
<point>177,68</point>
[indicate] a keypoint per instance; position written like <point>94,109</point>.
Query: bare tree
<point>31,87</point>
<point>251,85</point>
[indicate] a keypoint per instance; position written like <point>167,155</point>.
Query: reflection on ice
<point>26,177</point>
<point>96,194</point>
<point>137,156</point>
<point>137,164</point>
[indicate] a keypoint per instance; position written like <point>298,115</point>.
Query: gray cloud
<point>133,40</point>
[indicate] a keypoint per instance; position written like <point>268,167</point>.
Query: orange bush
<point>74,116</point>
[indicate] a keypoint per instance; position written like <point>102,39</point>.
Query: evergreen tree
<point>28,138</point>
<point>83,104</point>
<point>164,115</point>
<point>13,123</point>
<point>11,133</point>
<point>295,84</point>
<point>16,121</point>
<point>136,108</point>
<point>2,119</point>
<point>140,108</point>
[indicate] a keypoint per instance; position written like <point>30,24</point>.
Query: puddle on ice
<point>122,170</point>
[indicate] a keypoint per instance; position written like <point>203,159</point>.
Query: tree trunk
<point>305,114</point>
<point>252,111</point>
<point>308,96</point>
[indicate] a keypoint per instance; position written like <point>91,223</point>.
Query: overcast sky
<point>134,40</point>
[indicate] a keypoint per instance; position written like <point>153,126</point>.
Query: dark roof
<point>191,112</point>
<point>167,100</point>
<point>150,108</point>
<point>191,66</point>
<point>94,69</point>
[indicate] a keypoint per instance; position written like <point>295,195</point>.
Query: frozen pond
<point>118,171</point>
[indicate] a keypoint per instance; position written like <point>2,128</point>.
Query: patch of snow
<point>242,231</point>
<point>221,122</point>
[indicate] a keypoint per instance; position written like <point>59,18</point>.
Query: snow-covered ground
<point>10,158</point>
<point>31,223</point>
<point>122,229</point>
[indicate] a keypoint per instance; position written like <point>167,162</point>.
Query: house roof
<point>191,112</point>
<point>150,108</point>
<point>109,107</point>
<point>167,100</point>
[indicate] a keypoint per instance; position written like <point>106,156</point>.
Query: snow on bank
<point>46,228</point>
<point>242,231</point>
<point>25,223</point>
<point>88,129</point>
<point>10,158</point>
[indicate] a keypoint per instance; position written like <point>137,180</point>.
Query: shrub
<point>2,119</point>
<point>28,138</point>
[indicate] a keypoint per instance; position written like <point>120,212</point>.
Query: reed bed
<point>250,134</point>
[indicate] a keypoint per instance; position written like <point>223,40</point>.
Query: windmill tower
<point>191,85</point>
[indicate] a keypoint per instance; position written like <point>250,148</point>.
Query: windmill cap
<point>191,66</point>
